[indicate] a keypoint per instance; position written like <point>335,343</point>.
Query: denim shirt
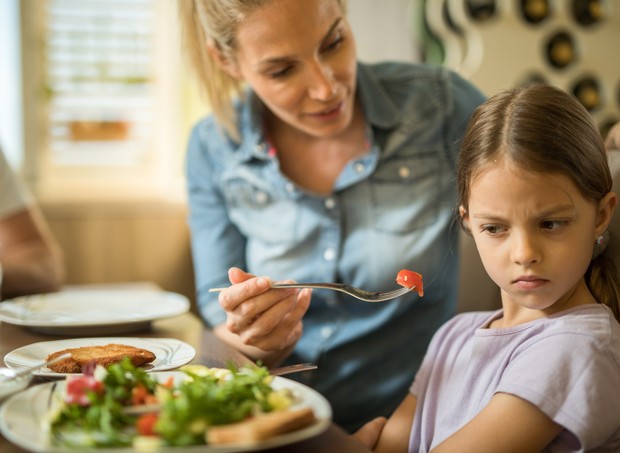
<point>390,209</point>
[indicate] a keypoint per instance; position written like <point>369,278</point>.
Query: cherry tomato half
<point>410,279</point>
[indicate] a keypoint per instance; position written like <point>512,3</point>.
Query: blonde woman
<point>316,167</point>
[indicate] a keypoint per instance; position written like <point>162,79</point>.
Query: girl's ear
<point>227,64</point>
<point>464,217</point>
<point>605,213</point>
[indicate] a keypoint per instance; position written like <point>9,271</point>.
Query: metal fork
<point>366,296</point>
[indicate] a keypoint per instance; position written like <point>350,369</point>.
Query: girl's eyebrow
<point>284,59</point>
<point>546,213</point>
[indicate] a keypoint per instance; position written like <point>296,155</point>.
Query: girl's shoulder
<point>465,324</point>
<point>595,321</point>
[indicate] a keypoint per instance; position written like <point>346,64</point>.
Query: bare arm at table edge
<point>32,261</point>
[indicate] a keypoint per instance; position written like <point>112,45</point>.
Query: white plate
<point>170,353</point>
<point>89,312</point>
<point>23,418</point>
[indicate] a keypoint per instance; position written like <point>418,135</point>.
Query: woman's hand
<point>263,318</point>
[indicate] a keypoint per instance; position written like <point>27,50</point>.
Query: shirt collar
<point>379,109</point>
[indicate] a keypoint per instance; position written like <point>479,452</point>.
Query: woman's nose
<point>322,84</point>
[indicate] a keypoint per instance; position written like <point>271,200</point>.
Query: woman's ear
<point>226,63</point>
<point>606,208</point>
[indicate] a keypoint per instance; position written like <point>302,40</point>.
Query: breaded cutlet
<point>104,355</point>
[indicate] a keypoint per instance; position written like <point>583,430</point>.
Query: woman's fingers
<point>266,318</point>
<point>281,325</point>
<point>278,326</point>
<point>231,298</point>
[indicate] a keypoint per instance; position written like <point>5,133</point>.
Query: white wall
<point>10,86</point>
<point>383,29</point>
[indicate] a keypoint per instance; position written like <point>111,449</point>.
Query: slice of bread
<point>104,355</point>
<point>261,427</point>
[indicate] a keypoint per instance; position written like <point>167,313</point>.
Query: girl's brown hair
<point>543,129</point>
<point>216,22</point>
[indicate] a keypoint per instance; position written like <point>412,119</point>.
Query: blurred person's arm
<point>612,140</point>
<point>31,260</point>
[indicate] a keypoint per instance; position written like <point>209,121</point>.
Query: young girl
<point>541,374</point>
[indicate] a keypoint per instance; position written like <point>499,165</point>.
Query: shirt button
<point>261,197</point>
<point>326,332</point>
<point>290,187</point>
<point>260,148</point>
<point>404,172</point>
<point>329,254</point>
<point>330,203</point>
<point>359,167</point>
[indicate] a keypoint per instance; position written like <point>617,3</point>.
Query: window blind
<point>100,81</point>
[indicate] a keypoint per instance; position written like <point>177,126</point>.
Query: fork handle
<point>283,285</point>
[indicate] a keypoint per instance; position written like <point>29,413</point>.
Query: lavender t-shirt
<point>567,364</point>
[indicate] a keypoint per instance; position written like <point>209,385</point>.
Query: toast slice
<point>261,427</point>
<point>104,355</point>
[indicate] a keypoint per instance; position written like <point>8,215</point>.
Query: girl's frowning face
<point>299,58</point>
<point>535,234</point>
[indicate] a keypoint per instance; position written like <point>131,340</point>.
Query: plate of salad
<point>198,409</point>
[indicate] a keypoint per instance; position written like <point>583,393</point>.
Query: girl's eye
<point>492,229</point>
<point>552,224</point>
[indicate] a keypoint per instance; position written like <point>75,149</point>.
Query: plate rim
<point>321,425</point>
<point>99,340</point>
<point>180,305</point>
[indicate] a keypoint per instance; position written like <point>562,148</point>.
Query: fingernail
<point>263,282</point>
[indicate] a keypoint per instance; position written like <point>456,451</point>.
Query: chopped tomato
<point>145,425</point>
<point>169,383</point>
<point>141,395</point>
<point>138,394</point>
<point>79,386</point>
<point>411,280</point>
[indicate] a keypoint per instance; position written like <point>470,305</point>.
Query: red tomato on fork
<point>411,280</point>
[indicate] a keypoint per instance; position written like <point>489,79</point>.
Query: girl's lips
<point>529,283</point>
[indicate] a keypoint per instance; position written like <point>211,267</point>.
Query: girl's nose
<point>322,85</point>
<point>524,249</point>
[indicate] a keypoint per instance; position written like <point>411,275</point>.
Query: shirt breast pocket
<point>259,212</point>
<point>406,193</point>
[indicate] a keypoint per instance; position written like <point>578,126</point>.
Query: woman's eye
<point>333,44</point>
<point>280,72</point>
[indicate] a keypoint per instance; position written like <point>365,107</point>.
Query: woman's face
<point>299,57</point>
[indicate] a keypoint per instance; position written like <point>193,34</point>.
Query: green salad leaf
<point>207,400</point>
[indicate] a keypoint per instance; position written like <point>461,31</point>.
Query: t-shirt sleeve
<point>577,385</point>
<point>454,332</point>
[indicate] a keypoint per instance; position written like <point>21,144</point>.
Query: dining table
<point>210,351</point>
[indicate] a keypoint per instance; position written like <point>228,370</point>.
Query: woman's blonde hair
<point>215,22</point>
<point>543,129</point>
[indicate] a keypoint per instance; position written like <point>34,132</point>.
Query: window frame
<point>159,176</point>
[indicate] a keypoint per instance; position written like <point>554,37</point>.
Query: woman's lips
<point>328,113</point>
